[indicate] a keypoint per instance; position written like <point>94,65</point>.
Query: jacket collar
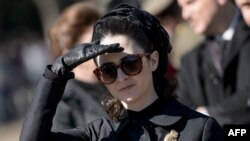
<point>159,113</point>
<point>172,112</point>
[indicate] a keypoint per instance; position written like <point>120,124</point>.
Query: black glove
<point>82,53</point>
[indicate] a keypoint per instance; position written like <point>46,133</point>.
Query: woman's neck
<point>143,102</point>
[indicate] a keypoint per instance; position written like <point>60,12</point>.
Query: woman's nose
<point>121,76</point>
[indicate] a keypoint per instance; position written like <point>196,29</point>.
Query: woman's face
<point>132,91</point>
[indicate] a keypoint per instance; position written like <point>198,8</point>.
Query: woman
<point>131,58</point>
<point>81,101</point>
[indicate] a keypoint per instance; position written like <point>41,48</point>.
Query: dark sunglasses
<point>130,65</point>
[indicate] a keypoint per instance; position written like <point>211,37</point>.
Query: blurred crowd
<point>27,46</point>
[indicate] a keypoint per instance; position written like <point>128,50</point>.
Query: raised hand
<point>82,53</point>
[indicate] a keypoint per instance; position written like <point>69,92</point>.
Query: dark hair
<point>149,34</point>
<point>114,3</point>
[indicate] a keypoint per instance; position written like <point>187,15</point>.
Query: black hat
<point>150,25</point>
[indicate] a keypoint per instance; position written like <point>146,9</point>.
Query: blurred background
<point>24,51</point>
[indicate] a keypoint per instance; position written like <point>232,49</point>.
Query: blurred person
<point>8,110</point>
<point>131,64</point>
<point>244,6</point>
<point>214,77</point>
<point>181,36</point>
<point>17,23</point>
<point>81,102</point>
<point>17,79</point>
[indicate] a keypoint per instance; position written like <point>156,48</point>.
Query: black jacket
<point>80,104</point>
<point>152,123</point>
<point>225,96</point>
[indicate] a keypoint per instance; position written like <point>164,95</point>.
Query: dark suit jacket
<point>152,123</point>
<point>225,96</point>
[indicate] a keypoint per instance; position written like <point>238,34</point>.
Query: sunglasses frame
<point>97,71</point>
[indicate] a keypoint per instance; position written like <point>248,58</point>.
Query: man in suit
<point>244,6</point>
<point>214,77</point>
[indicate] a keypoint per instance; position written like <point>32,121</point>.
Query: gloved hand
<point>82,53</point>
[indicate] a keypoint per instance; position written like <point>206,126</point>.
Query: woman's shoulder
<point>194,124</point>
<point>174,112</point>
<point>202,125</point>
<point>191,114</point>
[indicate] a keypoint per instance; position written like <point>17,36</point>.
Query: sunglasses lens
<point>108,73</point>
<point>132,65</point>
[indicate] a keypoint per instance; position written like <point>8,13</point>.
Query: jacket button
<point>214,79</point>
